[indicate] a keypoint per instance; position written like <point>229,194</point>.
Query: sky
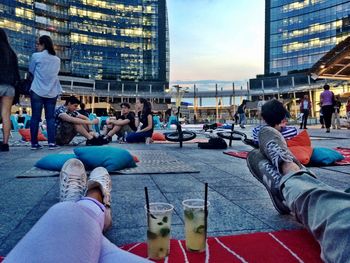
<point>216,39</point>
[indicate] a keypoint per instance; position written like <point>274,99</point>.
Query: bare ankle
<point>287,167</point>
<point>95,193</point>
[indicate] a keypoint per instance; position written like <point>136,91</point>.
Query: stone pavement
<point>239,204</point>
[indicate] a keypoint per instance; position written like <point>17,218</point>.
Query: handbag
<point>23,86</point>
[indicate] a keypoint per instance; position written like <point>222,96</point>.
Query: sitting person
<point>323,210</point>
<point>69,122</point>
<point>72,230</point>
<point>82,110</point>
<point>123,124</point>
<point>144,116</point>
<point>274,114</point>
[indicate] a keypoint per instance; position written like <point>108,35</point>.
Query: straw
<point>147,205</point>
<point>206,209</point>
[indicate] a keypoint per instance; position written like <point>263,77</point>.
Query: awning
<point>335,64</point>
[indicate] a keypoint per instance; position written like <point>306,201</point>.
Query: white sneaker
<point>72,180</point>
<point>100,178</point>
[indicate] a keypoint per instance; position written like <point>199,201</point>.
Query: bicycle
<point>179,135</point>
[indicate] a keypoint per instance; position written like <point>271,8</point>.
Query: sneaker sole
<point>281,211</point>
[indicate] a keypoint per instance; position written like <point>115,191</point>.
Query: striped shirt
<point>287,132</point>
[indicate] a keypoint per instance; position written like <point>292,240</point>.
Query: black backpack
<point>213,143</point>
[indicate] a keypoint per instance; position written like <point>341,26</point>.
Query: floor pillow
<point>111,158</point>
<point>300,146</point>
<point>54,162</point>
<point>25,133</point>
<point>157,136</point>
<point>325,156</point>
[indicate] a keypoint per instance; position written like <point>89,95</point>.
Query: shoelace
<point>277,153</point>
<point>72,187</point>
<point>272,171</point>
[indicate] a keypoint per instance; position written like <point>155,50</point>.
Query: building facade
<point>299,33</point>
<point>104,40</point>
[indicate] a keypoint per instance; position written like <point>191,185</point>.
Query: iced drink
<point>195,230</point>
<point>158,232</point>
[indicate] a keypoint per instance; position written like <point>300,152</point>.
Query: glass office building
<point>116,40</point>
<point>299,33</point>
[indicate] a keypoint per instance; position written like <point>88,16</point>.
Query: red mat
<point>344,151</point>
<point>281,246</point>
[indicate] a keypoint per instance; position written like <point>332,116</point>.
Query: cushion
<point>53,162</point>
<point>25,133</point>
<point>300,146</point>
<point>157,136</point>
<point>136,159</point>
<point>325,156</point>
<point>111,158</point>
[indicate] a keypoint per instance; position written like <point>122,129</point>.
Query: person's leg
<point>6,104</point>
<point>135,137</point>
<point>37,105</point>
<point>305,117</point>
<point>79,128</point>
<point>110,253</point>
<point>67,232</point>
<point>49,106</point>
<point>327,116</point>
<point>337,116</point>
<point>114,130</point>
<point>333,120</point>
<point>65,133</point>
<point>323,210</point>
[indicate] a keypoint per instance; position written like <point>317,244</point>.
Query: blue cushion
<point>325,156</point>
<point>111,158</point>
<point>54,162</point>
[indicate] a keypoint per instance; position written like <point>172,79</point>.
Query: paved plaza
<point>239,204</point>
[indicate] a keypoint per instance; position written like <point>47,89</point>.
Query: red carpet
<point>281,246</point>
<point>242,155</point>
<point>344,151</point>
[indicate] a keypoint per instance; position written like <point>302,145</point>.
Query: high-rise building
<point>299,33</point>
<point>115,40</point>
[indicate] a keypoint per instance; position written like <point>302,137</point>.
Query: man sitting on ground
<point>322,209</point>
<point>274,114</point>
<point>69,122</point>
<point>123,124</point>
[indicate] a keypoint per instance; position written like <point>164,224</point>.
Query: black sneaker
<point>273,145</point>
<point>4,147</point>
<point>104,140</point>
<point>262,169</point>
<point>36,147</point>
<point>93,142</point>
<point>53,146</point>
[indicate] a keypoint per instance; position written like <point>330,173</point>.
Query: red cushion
<point>157,136</point>
<point>300,146</point>
<point>25,133</point>
<point>136,159</point>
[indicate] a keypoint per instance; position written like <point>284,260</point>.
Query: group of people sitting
<point>129,126</point>
<point>85,209</point>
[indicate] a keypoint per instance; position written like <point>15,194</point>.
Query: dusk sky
<point>216,39</point>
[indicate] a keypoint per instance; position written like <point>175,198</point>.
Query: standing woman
<point>326,100</point>
<point>144,116</point>
<point>9,74</point>
<point>44,65</point>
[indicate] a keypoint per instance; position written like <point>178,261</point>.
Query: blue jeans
<point>323,210</point>
<point>138,136</point>
<point>49,105</point>
<point>242,119</point>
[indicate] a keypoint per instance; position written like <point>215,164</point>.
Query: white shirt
<point>45,68</point>
<point>306,105</point>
